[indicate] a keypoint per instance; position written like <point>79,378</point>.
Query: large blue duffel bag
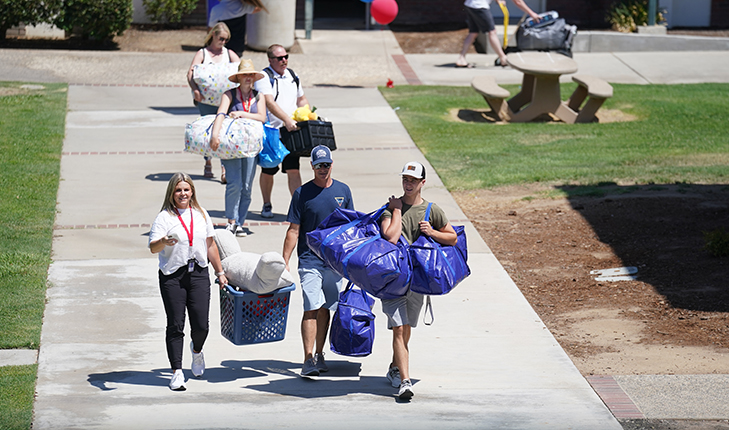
<point>351,244</point>
<point>437,269</point>
<point>353,324</point>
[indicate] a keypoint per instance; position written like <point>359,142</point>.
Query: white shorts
<point>403,310</point>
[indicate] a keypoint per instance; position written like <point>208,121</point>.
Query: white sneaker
<point>177,383</point>
<point>320,363</point>
<point>309,368</point>
<point>393,375</point>
<point>406,390</point>
<point>198,362</point>
<point>231,227</point>
<point>240,232</point>
<point>267,211</point>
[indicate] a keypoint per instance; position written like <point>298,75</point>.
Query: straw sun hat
<point>246,68</point>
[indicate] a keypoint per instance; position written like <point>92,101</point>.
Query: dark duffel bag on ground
<point>554,36</point>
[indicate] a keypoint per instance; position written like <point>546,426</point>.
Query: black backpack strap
<point>273,81</point>
<point>296,78</point>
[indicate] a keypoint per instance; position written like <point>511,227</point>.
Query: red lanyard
<point>246,108</point>
<point>189,232</point>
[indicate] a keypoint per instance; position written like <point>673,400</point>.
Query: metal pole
<point>367,16</point>
<point>308,17</point>
<point>651,12</point>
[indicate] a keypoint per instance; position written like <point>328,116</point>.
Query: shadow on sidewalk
<point>341,379</point>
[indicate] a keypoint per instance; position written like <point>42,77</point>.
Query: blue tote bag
<point>273,151</point>
<point>353,325</point>
<point>350,243</point>
<point>437,269</point>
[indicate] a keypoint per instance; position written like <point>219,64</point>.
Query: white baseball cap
<point>414,169</point>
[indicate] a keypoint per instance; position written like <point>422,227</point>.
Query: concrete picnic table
<point>540,84</point>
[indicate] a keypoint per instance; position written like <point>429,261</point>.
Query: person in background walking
<point>234,14</point>
<point>283,94</point>
<point>212,52</point>
<point>480,20</point>
<point>182,235</point>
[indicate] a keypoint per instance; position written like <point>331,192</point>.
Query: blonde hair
<point>215,31</point>
<point>169,202</point>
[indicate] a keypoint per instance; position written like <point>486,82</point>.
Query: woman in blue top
<point>241,102</point>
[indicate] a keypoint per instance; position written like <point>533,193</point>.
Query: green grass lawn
<point>678,134</point>
<point>32,124</point>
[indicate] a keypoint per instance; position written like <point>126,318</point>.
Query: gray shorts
<point>479,20</point>
<point>320,286</point>
<point>403,310</point>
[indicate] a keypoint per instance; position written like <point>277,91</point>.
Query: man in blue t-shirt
<point>310,205</point>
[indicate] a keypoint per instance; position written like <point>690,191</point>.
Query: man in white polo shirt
<point>283,93</point>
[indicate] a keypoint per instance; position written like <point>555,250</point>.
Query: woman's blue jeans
<point>239,173</point>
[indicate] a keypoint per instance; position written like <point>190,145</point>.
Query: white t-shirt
<point>172,258</point>
<point>228,9</point>
<point>288,93</point>
<point>478,4</point>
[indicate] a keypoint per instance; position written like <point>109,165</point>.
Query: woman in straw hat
<point>241,102</point>
<point>213,51</point>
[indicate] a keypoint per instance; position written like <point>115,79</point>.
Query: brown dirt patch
<point>673,319</point>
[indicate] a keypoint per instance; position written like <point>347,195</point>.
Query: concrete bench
<point>595,90</point>
<point>494,95</point>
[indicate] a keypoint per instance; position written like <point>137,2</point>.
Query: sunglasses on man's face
<point>323,166</point>
<point>281,58</point>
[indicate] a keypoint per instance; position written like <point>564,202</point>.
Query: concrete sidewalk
<point>102,362</point>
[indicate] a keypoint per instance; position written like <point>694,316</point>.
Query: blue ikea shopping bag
<point>437,269</point>
<point>273,151</point>
<point>350,243</point>
<point>353,327</point>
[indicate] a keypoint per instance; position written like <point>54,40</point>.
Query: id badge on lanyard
<point>191,261</point>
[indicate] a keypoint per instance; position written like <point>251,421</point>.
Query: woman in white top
<point>241,102</point>
<point>182,235</point>
<point>213,51</point>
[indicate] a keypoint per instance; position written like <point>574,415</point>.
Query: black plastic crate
<point>309,135</point>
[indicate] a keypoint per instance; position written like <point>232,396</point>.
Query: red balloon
<point>383,11</point>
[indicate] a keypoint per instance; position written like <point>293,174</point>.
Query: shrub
<point>95,19</point>
<point>30,12</point>
<point>626,15</point>
<point>168,10</point>
<point>717,242</point>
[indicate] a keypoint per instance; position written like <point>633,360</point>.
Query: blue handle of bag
<point>331,236</point>
<point>437,245</point>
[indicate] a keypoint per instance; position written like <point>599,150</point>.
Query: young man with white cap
<point>404,216</point>
<point>310,204</point>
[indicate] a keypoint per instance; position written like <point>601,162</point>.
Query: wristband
<point>219,274</point>
<point>219,115</point>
